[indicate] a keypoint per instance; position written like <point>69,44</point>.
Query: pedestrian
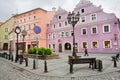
<point>86,52</point>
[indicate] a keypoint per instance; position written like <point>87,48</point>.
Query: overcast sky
<point>9,7</point>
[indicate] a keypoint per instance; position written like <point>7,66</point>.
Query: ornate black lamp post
<point>17,31</point>
<point>24,33</point>
<point>73,19</point>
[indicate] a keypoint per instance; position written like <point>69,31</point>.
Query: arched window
<point>67,46</point>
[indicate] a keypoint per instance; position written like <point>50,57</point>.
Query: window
<point>106,28</point>
<point>84,45</point>
<point>24,20</point>
<point>107,44</point>
<point>54,26</point>
<point>28,36</point>
<point>82,10</point>
<point>49,36</point>
<point>71,33</point>
<point>67,46</point>
<point>84,32</point>
<point>82,19</point>
<point>5,36</point>
<point>94,44</point>
<point>94,30</point>
<point>59,17</point>
<point>93,17</point>
<point>29,27</point>
<point>62,34</point>
<point>6,29</point>
<point>65,23</point>
<point>66,34</point>
<point>34,17</point>
<point>53,45</point>
<point>49,46</point>
<point>59,24</point>
<point>53,35</point>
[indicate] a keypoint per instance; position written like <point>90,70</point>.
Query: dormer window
<point>93,17</point>
<point>59,17</point>
<point>82,10</point>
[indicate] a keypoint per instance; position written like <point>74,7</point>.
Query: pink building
<point>97,30</point>
<point>26,21</point>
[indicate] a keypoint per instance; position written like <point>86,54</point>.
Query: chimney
<point>54,9</point>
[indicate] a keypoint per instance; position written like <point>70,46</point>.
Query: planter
<point>53,56</point>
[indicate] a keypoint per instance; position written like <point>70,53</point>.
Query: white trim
<point>96,29</point>
<point>108,26</point>
<point>104,44</point>
<point>82,31</point>
<point>82,44</point>
<point>91,16</point>
<point>92,44</point>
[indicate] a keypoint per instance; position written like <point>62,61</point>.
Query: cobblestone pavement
<point>14,71</point>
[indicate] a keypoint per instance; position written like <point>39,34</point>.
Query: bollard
<point>45,69</point>
<point>20,57</point>
<point>115,63</point>
<point>100,65</point>
<point>71,67</point>
<point>34,67</point>
<point>26,62</point>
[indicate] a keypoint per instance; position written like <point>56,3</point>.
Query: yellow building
<point>5,28</point>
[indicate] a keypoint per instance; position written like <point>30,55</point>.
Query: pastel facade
<point>96,30</point>
<point>26,21</point>
<point>5,28</point>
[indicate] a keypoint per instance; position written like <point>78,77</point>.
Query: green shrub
<point>32,51</point>
<point>48,51</point>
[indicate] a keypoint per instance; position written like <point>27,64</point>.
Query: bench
<point>90,61</point>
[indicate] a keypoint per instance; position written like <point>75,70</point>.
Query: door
<point>76,47</point>
<point>5,46</point>
<point>60,47</point>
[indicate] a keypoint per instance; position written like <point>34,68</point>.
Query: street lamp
<point>73,19</point>
<point>24,33</point>
<point>17,31</point>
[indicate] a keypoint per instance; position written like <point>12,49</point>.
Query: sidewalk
<point>60,67</point>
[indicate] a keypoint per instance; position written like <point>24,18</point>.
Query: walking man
<point>86,53</point>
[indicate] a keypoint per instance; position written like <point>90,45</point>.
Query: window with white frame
<point>82,10</point>
<point>94,30</point>
<point>28,36</point>
<point>49,46</point>
<point>29,27</point>
<point>83,31</point>
<point>65,23</point>
<point>53,45</point>
<point>66,34</point>
<point>107,44</point>
<point>5,36</point>
<point>84,44</point>
<point>6,29</point>
<point>53,35</point>
<point>60,25</point>
<point>71,33</point>
<point>93,17</point>
<point>49,36</point>
<point>59,17</point>
<point>62,34</point>
<point>94,44</point>
<point>106,28</point>
<point>54,26</point>
<point>83,19</point>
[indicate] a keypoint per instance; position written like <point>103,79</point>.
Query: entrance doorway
<point>5,46</point>
<point>60,47</point>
